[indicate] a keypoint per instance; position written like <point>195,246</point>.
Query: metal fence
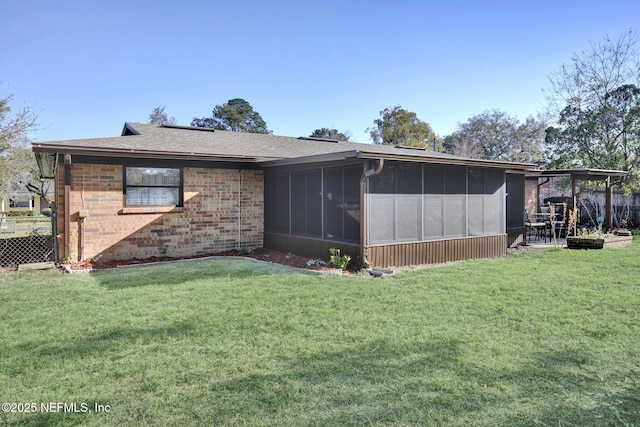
<point>25,240</point>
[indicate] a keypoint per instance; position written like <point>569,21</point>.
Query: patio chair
<point>536,227</point>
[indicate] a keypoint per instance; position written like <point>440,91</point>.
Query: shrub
<point>338,261</point>
<point>19,213</point>
<point>47,212</point>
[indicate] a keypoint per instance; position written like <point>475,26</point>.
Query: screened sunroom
<point>415,212</point>
<point>412,202</point>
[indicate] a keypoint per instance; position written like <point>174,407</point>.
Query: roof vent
<point>187,128</point>
<point>312,138</point>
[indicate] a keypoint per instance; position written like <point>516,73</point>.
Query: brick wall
<point>531,195</point>
<point>211,220</point>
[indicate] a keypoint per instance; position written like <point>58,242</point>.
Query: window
<point>146,186</point>
<point>21,203</point>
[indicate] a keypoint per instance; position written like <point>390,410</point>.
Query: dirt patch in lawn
<point>262,254</point>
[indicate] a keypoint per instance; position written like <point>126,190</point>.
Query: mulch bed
<point>261,254</point>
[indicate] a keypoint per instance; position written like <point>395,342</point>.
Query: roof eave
<point>588,172</point>
<point>448,160</point>
<point>145,154</point>
<point>342,155</point>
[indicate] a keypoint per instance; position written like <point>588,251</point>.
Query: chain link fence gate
<point>26,240</point>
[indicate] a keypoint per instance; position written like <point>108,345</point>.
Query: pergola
<point>611,178</point>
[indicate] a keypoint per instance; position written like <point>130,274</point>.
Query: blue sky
<point>89,66</point>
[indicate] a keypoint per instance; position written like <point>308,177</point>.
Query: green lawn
<point>25,226</point>
<point>542,338</point>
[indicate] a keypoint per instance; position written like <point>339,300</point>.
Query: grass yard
<point>542,338</point>
<point>25,226</point>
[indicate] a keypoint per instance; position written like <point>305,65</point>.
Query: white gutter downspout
<point>364,226</point>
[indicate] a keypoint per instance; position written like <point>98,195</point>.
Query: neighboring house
<point>189,191</point>
<point>24,202</point>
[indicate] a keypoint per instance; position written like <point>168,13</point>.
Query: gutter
<point>364,241</point>
<point>144,154</point>
<point>447,160</point>
<point>285,161</point>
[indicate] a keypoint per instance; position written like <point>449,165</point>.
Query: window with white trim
<point>25,202</point>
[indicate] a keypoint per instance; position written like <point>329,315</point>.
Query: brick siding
<point>531,195</point>
<point>223,210</point>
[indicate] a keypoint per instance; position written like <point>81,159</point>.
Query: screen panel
<point>382,218</point>
<point>515,200</point>
<point>455,180</point>
<point>282,203</point>
<point>299,203</point>
<point>270,203</point>
<point>333,204</point>
<point>475,211</point>
<point>433,179</point>
<point>475,214</point>
<point>314,203</point>
<point>351,210</point>
<point>384,182</point>
<point>433,222</point>
<point>455,221</point>
<point>409,217</point>
<point>408,178</point>
<point>494,200</point>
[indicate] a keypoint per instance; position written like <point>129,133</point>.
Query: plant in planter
<point>587,238</point>
<point>622,230</point>
<point>596,239</point>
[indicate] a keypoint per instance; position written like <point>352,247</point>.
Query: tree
<point>159,117</point>
<point>331,134</point>
<point>495,135</point>
<point>604,136</point>
<point>14,128</point>
<point>23,174</point>
<point>17,164</point>
<point>459,144</point>
<point>397,126</point>
<point>236,115</point>
<point>597,125</point>
<point>591,75</point>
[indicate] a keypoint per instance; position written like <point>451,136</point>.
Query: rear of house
<point>184,191</point>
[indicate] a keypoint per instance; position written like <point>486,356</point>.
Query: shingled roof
<point>139,140</point>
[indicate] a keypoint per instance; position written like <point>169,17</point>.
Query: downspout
<point>540,184</point>
<point>54,232</point>
<point>239,209</point>
<point>364,241</point>
<point>67,206</point>
<point>608,215</point>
